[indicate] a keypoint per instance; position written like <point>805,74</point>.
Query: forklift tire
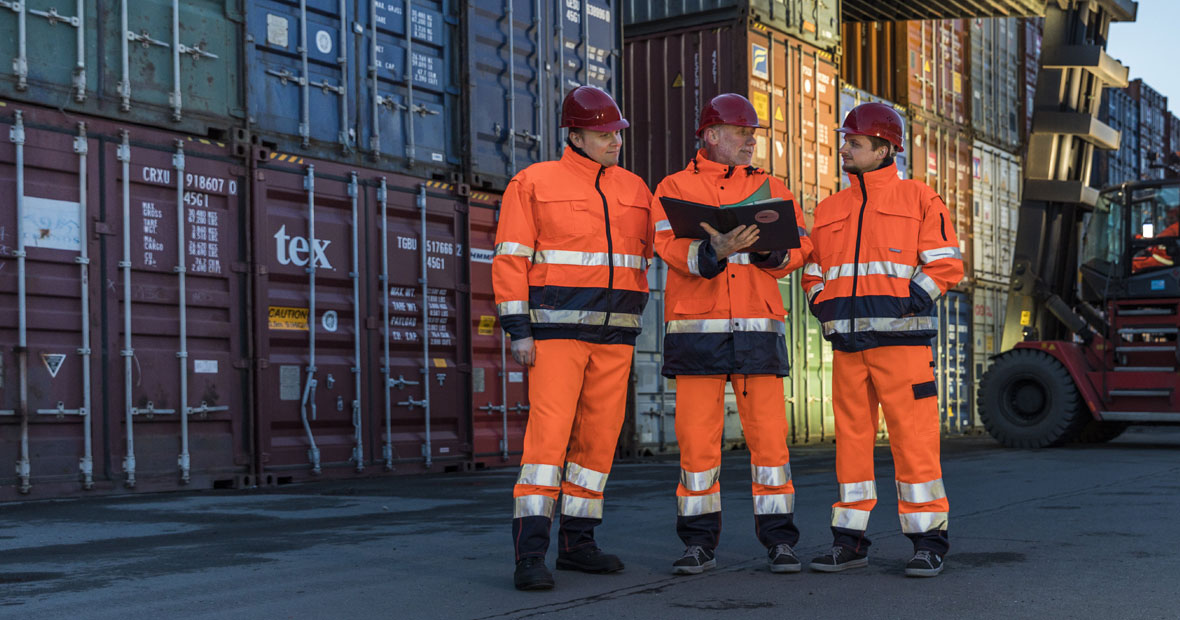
<point>1027,399</point>
<point>1097,431</point>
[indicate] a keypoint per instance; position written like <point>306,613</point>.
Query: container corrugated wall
<point>1121,113</point>
<point>996,181</point>
<point>933,56</point>
<point>814,21</point>
<point>522,58</point>
<point>991,304</point>
<point>1030,51</point>
<point>176,65</point>
<point>1153,110</point>
<point>995,67</point>
<point>108,212</point>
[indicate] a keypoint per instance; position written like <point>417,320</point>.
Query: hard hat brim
<point>900,148</point>
<point>612,126</point>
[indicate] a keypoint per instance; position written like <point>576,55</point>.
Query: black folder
<point>775,219</point>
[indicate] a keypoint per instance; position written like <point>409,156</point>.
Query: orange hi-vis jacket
<point>572,249</point>
<point>884,251</point>
<point>1157,256</point>
<point>723,317</point>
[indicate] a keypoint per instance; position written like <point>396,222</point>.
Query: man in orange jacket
<point>570,277</point>
<point>1158,255</point>
<point>884,251</point>
<point>724,317</point>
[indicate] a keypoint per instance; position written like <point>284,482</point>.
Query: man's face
<point>729,144</point>
<point>601,146</point>
<point>858,154</point>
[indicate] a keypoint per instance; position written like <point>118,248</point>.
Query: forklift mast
<point>1056,195</point>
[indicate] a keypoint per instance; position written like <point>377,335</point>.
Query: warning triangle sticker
<point>53,362</point>
<point>778,114</point>
<point>678,82</point>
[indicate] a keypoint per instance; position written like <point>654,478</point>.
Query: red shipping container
<point>942,159</point>
<point>137,370</point>
<point>498,422</point>
<point>933,55</point>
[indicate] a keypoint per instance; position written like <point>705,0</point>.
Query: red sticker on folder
<point>767,216</point>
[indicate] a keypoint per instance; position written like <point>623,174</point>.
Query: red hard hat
<point>728,109</point>
<point>587,107</point>
<point>875,119</point>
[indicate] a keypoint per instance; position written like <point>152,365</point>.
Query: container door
<point>409,110</point>
<point>308,405</point>
<point>582,46</point>
<point>176,302</point>
<point>54,55</point>
<point>498,430</point>
<point>299,91</point>
<point>423,281</point>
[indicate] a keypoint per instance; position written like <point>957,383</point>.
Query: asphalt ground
<point>1075,532</point>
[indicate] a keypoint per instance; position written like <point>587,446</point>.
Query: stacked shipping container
<point>1153,135</point>
<point>1121,113</point>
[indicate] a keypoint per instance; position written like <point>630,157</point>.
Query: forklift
<point>1090,333</point>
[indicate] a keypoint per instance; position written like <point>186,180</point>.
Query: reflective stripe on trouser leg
<point>700,421</point>
<point>762,409</point>
<point>601,407</point>
<point>855,405</point>
<point>911,414</point>
<point>554,384</point>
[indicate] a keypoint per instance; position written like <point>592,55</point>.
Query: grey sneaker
<point>696,560</point>
<point>782,559</point>
<point>838,559</point>
<point>925,563</point>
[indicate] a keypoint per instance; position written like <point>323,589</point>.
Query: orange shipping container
<point>672,75</point>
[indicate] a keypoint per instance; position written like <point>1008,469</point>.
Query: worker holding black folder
<point>724,322</point>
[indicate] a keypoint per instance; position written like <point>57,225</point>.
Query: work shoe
<point>589,560</point>
<point>696,560</point>
<point>531,574</point>
<point>783,559</point>
<point>838,559</point>
<point>925,563</point>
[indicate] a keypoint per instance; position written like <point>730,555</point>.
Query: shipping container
<point>996,66</point>
<point>330,79</point>
<point>815,21</point>
<point>941,158</point>
<point>361,316</point>
<point>1030,51</point>
<point>498,422</point>
<point>850,98</point>
<point>521,58</point>
<point>1121,113</point>
<point>991,304</point>
<point>1173,133</point>
<point>995,186</point>
<point>952,364</point>
<point>134,306</point>
<point>1153,134</point>
<point>869,59</point>
<point>174,65</point>
<point>791,84</point>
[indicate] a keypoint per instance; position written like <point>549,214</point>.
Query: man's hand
<point>731,242</point>
<point>524,352</point>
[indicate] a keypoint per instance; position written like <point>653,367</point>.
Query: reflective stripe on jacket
<point>723,317</point>
<point>572,248</point>
<point>884,251</point>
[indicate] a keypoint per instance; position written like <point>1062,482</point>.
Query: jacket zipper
<point>856,256</point>
<point>610,251</point>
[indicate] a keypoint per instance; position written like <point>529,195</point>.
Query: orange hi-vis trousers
<point>900,381</point>
<point>700,422</point>
<point>577,401</point>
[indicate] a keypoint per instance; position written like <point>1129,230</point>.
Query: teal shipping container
<point>168,64</point>
<point>814,21</point>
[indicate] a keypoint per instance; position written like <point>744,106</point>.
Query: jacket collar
<point>582,166</point>
<point>875,179</point>
<point>701,164</point>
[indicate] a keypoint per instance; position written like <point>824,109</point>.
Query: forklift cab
<point>1131,244</point>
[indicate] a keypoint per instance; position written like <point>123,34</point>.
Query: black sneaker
<point>589,560</point>
<point>783,559</point>
<point>925,563</point>
<point>838,559</point>
<point>696,560</point>
<point>531,574</point>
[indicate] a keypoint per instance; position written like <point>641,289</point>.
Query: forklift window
<point>1153,216</point>
<point>1102,248</point>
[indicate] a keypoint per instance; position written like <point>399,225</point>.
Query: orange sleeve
<point>940,263</point>
<point>516,239</point>
<point>691,257</point>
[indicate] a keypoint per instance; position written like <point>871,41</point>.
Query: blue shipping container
<point>522,57</point>
<point>952,362</point>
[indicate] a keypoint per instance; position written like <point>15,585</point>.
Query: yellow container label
<point>293,319</point>
<point>487,325</point>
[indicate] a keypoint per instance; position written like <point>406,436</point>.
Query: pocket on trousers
<point>925,390</point>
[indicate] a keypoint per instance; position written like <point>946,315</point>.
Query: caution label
<point>487,325</point>
<point>53,362</point>
<point>761,103</point>
<point>292,319</point>
<point>1025,318</point>
<point>678,81</point>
